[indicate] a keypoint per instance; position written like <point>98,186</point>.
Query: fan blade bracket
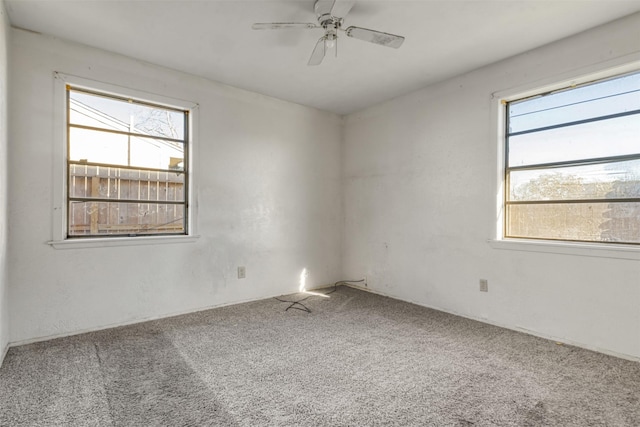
<point>284,26</point>
<point>377,37</point>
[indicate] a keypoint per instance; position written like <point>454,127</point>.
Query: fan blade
<point>377,37</point>
<point>340,8</point>
<point>318,53</point>
<point>284,26</point>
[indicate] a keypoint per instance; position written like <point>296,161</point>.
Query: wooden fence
<point>149,205</point>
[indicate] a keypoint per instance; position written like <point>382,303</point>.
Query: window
<point>127,168</point>
<point>572,163</point>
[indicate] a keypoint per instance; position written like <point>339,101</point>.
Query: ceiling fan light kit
<point>330,14</point>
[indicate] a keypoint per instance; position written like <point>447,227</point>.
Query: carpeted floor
<point>357,359</point>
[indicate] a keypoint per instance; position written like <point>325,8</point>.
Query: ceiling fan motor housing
<point>325,19</point>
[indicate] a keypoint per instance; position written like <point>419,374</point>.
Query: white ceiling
<point>214,39</point>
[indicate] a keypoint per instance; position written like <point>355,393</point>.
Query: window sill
<point>119,241</point>
<point>567,248</point>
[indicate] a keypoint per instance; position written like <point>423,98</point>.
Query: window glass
<point>609,97</point>
<point>605,138</point>
<point>126,167</point>
<point>573,164</point>
<point>114,113</point>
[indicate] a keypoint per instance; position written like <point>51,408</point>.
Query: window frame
<point>60,240</point>
<point>620,66</point>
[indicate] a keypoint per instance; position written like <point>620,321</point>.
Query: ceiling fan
<point>331,15</point>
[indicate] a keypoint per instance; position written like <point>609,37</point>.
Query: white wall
<point>4,289</point>
<point>269,199</point>
<point>420,181</point>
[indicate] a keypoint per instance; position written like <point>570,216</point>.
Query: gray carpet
<point>357,359</point>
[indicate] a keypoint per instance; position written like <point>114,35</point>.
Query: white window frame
<point>59,238</point>
<point>623,65</point>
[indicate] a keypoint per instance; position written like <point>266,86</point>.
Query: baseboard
<point>355,286</point>
<point>330,285</point>
<point>3,354</point>
<point>147,319</point>
<point>366,288</point>
<point>129,322</point>
<point>512,328</point>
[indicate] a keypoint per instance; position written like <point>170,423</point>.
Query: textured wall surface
<point>268,180</point>
<point>420,195</point>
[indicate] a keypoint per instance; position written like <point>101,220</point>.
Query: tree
<point>622,219</point>
<point>157,122</point>
<point>565,221</point>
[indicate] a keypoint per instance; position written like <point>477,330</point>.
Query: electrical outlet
<point>242,273</point>
<point>484,285</point>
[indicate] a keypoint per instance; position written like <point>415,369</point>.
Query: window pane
<point>602,181</point>
<point>562,164</point>
<point>119,218</point>
<point>120,183</point>
<point>109,113</point>
<point>614,137</point>
<point>98,147</point>
<point>589,222</point>
<point>114,183</point>
<point>586,102</point>
<point>105,147</point>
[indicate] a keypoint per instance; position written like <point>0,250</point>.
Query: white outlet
<point>484,285</point>
<point>242,273</point>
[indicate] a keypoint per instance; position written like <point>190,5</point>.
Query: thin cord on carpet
<point>295,304</point>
